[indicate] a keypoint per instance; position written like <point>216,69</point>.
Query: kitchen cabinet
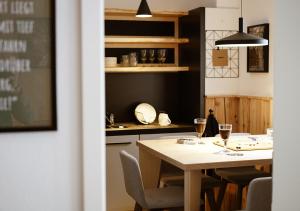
<point>117,198</point>
<point>176,87</point>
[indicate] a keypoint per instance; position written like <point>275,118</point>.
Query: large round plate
<point>145,113</point>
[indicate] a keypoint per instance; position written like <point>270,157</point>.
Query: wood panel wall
<point>245,113</point>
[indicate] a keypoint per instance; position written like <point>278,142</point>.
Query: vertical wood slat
<point>245,113</point>
<point>232,112</point>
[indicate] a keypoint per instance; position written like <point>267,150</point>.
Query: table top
<point>203,156</point>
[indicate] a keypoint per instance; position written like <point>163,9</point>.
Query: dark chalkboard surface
<point>27,65</point>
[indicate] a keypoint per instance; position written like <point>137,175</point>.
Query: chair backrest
<point>133,179</point>
<point>259,196</point>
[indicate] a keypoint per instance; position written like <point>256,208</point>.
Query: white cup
<point>163,119</point>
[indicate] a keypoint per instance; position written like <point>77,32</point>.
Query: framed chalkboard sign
<point>27,65</point>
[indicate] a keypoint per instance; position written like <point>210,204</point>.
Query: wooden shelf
<point>124,12</point>
<point>137,40</point>
<point>145,69</point>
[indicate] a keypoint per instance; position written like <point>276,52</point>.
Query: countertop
<point>134,128</point>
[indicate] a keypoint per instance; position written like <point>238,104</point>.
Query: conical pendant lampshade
<point>143,11</point>
<point>241,39</point>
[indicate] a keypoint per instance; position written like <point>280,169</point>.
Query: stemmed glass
<point>161,55</point>
<point>225,131</point>
<point>200,124</point>
<point>151,55</point>
<point>143,55</point>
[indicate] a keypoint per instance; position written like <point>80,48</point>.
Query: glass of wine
<point>225,130</point>
<point>200,124</point>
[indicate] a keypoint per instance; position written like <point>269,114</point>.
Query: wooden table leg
<point>150,168</point>
<point>192,190</point>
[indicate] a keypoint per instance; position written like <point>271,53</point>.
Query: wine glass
<point>225,130</point>
<point>200,124</point>
<point>151,55</point>
<point>143,55</point>
<point>161,55</point>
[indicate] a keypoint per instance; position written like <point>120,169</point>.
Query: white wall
<point>159,5</point>
<point>286,173</point>
<point>254,12</point>
<point>257,84</point>
<point>221,19</point>
<point>228,3</point>
<point>42,170</point>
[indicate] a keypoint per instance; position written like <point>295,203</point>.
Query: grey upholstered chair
<point>259,196</point>
<point>241,176</point>
<point>156,198</point>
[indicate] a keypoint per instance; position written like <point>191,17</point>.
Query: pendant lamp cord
<point>241,8</point>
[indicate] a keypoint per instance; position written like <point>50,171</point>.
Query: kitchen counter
<point>130,128</point>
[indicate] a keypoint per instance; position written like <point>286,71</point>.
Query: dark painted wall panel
<point>139,28</point>
<point>193,54</point>
<point>125,91</point>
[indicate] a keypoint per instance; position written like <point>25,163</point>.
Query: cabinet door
<point>165,135</point>
<point>117,198</point>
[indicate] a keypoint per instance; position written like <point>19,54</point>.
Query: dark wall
<point>125,91</point>
<point>139,28</point>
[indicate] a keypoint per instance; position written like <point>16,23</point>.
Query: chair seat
<point>240,175</point>
<point>164,197</point>
<point>207,182</point>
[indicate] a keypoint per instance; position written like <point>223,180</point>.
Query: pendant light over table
<point>241,39</point>
<point>143,11</point>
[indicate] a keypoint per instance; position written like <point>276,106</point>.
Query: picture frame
<point>28,66</point>
<point>258,56</point>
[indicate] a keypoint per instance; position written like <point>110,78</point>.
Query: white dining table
<point>192,159</point>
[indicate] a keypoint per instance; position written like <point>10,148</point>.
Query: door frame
<point>93,104</point>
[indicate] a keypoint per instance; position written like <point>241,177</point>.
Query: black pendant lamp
<point>143,11</point>
<point>241,39</point>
